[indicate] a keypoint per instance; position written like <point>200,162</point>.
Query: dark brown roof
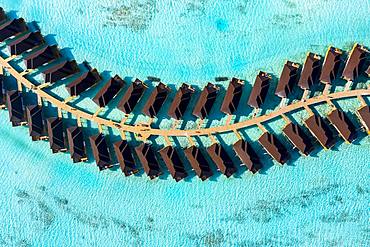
<point>76,144</point>
<point>355,65</point>
<point>148,160</point>
<point>35,121</point>
<point>343,125</point>
<point>156,100</point>
<point>56,134</point>
<point>3,15</point>
<point>181,101</point>
<point>83,82</point>
<point>274,147</point>
<point>132,96</point>
<point>259,91</point>
<point>364,115</point>
<point>331,65</point>
<point>320,129</point>
<point>247,155</point>
<point>311,71</point>
<point>205,101</point>
<point>61,71</point>
<point>100,151</point>
<point>232,96</point>
<point>124,156</point>
<point>109,91</point>
<point>288,79</point>
<point>25,43</point>
<point>15,107</point>
<point>222,160</point>
<point>299,138</point>
<point>12,28</point>
<point>173,162</point>
<point>42,56</point>
<point>198,162</point>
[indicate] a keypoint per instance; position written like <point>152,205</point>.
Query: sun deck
<point>259,91</point>
<point>355,64</point>
<point>311,71</point>
<point>132,96</point>
<point>332,63</point>
<point>56,134</point>
<point>232,97</point>
<point>27,42</point>
<point>321,130</point>
<point>173,162</point>
<point>42,56</point>
<point>198,162</point>
<point>206,101</point>
<point>298,138</point>
<point>100,151</point>
<point>181,101</point>
<point>12,28</point>
<point>156,100</point>
<point>124,156</point>
<point>148,160</point>
<point>15,108</point>
<point>288,79</point>
<point>274,147</point>
<point>35,122</point>
<point>76,144</point>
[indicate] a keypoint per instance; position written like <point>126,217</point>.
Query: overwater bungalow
<point>274,147</point>
<point>125,158</point>
<point>343,125</point>
<point>132,96</point>
<point>173,162</point>
<point>83,82</point>
<point>355,64</point>
<point>288,79</point>
<point>100,151</point>
<point>148,160</point>
<point>109,91</point>
<point>61,71</point>
<point>311,71</point>
<point>247,155</point>
<point>321,130</point>
<point>299,138</point>
<point>206,101</point>
<point>15,107</point>
<point>198,162</point>
<point>27,42</point>
<point>364,115</point>
<point>35,122</point>
<point>12,28</point>
<point>156,100</point>
<point>259,91</point>
<point>42,56</point>
<point>222,160</point>
<point>332,63</point>
<point>77,147</point>
<point>181,101</point>
<point>3,16</point>
<point>232,96</point>
<point>56,134</point>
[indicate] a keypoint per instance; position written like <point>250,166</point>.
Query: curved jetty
<point>153,158</point>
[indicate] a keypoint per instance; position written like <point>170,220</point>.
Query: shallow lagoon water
<point>322,200</point>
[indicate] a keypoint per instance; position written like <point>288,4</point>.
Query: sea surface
<point>321,200</point>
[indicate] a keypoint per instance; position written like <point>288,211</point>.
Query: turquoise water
<point>321,200</point>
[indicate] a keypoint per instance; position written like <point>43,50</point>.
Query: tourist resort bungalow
<point>156,100</point>
<point>83,82</point>
<point>288,79</point>
<point>222,160</point>
<point>125,158</point>
<point>298,138</point>
<point>109,91</point>
<point>27,42</point>
<point>42,56</point>
<point>274,147</point>
<point>56,134</point>
<point>332,63</point>
<point>198,162</point>
<point>364,115</point>
<point>15,107</point>
<point>61,71</point>
<point>132,96</point>
<point>343,125</point>
<point>260,89</point>
<point>148,160</point>
<point>355,65</point>
<point>35,122</point>
<point>100,151</point>
<point>321,130</point>
<point>173,162</point>
<point>311,71</point>
<point>232,96</point>
<point>76,144</point>
<point>181,101</point>
<point>206,101</point>
<point>247,155</point>
<point>12,28</point>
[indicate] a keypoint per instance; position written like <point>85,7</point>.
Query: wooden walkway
<point>144,131</point>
